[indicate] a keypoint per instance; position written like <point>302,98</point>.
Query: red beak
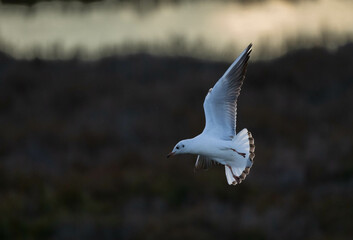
<point>170,154</point>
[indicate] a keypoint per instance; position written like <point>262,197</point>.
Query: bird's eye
<point>177,147</point>
<point>183,145</point>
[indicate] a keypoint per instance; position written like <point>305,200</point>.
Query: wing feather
<point>203,162</point>
<point>220,104</point>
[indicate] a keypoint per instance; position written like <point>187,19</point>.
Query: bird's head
<point>180,148</point>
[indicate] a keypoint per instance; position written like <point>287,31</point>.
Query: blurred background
<point>94,94</point>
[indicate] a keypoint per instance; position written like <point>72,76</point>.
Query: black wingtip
<point>249,49</point>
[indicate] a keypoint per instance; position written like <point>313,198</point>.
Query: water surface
<point>202,29</point>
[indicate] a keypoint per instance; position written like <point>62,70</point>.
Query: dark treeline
<point>83,146</point>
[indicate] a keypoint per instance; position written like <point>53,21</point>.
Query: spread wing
<point>220,104</point>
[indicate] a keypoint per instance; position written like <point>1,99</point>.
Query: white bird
<point>219,143</point>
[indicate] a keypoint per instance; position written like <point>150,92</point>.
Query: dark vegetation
<point>83,146</point>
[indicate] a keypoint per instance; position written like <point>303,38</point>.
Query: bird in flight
<point>219,143</point>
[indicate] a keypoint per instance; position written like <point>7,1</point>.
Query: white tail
<point>240,168</point>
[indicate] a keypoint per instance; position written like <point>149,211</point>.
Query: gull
<point>219,143</point>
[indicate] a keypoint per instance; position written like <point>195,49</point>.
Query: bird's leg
<point>241,154</point>
<point>235,177</point>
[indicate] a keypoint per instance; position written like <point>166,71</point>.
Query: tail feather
<point>244,143</point>
<point>252,147</point>
<point>229,176</point>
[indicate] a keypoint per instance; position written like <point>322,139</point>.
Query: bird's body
<point>214,148</point>
<point>219,143</point>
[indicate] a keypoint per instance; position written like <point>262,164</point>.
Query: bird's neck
<point>193,145</point>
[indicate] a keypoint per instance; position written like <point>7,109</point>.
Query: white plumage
<point>219,143</point>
